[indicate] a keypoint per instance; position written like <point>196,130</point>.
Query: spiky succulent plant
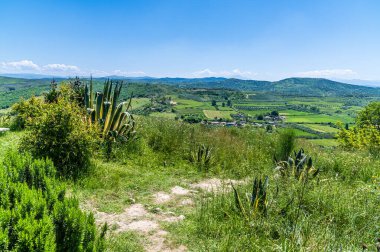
<point>104,108</point>
<point>300,167</point>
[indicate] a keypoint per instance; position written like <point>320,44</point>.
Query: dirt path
<point>138,219</point>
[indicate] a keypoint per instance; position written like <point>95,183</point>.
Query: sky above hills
<point>252,39</point>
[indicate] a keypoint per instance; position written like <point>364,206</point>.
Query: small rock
<point>136,210</point>
<point>161,197</point>
<point>144,226</point>
<point>180,190</point>
<point>186,202</point>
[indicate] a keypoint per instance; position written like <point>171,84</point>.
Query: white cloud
<point>61,68</point>
<point>128,74</point>
<point>329,73</point>
<point>28,66</point>
<point>18,66</point>
<point>236,73</point>
<point>204,73</point>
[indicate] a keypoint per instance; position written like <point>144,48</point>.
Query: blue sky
<point>253,39</point>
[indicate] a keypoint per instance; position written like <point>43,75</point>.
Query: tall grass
<point>330,216</point>
<point>235,152</point>
<point>285,144</point>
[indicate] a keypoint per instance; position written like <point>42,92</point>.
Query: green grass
<point>322,128</point>
<point>293,113</point>
<point>211,114</point>
<point>333,213</point>
<point>139,102</point>
<point>163,115</point>
<point>318,118</point>
<point>338,209</point>
<point>127,241</point>
<point>301,133</point>
<point>115,185</point>
<point>324,142</point>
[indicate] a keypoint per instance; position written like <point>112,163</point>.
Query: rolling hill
<point>289,86</point>
<point>11,89</point>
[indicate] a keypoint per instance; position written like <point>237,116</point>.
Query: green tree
<point>366,132</point>
<point>370,115</point>
<point>274,113</point>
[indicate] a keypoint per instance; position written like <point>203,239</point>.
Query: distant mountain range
<point>369,83</point>
<point>290,86</point>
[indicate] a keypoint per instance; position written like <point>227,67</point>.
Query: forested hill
<point>321,87</point>
<point>11,89</point>
<point>290,86</point>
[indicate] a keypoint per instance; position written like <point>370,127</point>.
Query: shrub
<point>285,145</point>
<point>274,113</point>
<point>369,116</point>
<point>77,90</point>
<point>26,111</point>
<point>62,135</point>
<point>53,94</point>
<point>366,133</point>
<point>35,215</point>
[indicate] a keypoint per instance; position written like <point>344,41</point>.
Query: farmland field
<point>322,128</point>
<point>139,102</point>
<point>211,114</point>
<point>321,118</point>
<point>163,115</point>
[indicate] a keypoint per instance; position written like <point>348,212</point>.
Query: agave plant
<point>256,202</point>
<point>113,117</point>
<point>300,167</point>
<point>202,156</point>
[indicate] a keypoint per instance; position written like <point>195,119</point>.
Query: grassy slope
<point>339,210</point>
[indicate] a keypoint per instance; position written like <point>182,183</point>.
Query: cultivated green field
<point>322,128</point>
<point>163,115</point>
<point>211,114</point>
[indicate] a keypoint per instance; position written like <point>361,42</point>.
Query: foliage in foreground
<point>35,215</point>
<point>213,150</point>
<point>366,133</point>
<point>26,111</point>
<point>323,214</point>
<point>300,166</point>
<point>61,134</point>
<point>112,117</point>
<point>256,202</point>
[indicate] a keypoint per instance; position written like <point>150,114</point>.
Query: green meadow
<point>173,185</point>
